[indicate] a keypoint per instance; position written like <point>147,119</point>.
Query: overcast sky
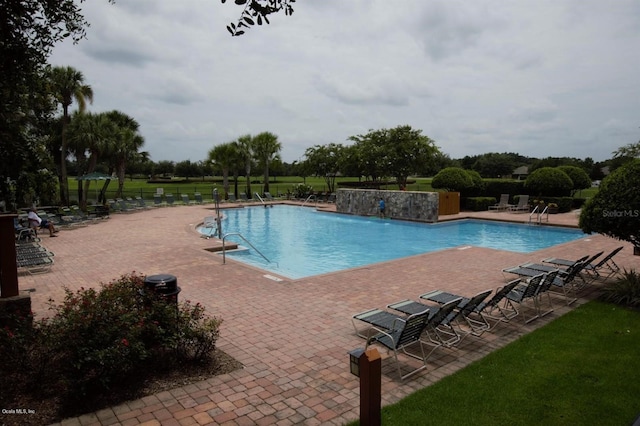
<point>537,77</point>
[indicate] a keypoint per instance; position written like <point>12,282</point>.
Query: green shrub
<point>623,291</point>
<point>99,338</point>
<point>615,209</point>
<point>452,179</point>
<point>496,187</point>
<point>477,204</point>
<point>549,181</point>
<point>578,176</point>
<point>477,184</point>
<point>301,190</point>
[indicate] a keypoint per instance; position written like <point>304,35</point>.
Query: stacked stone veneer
<point>408,205</point>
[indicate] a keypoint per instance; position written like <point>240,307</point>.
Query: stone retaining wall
<point>408,205</point>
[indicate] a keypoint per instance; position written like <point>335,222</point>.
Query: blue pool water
<point>301,242</point>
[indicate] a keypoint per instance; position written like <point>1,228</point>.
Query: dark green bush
<point>496,187</point>
<point>452,179</point>
<point>98,339</point>
<point>615,210</point>
<point>549,181</point>
<point>623,291</point>
<point>578,176</point>
<point>478,185</point>
<point>478,204</point>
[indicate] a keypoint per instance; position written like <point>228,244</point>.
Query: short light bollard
<point>368,366</point>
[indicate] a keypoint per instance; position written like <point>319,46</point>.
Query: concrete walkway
<point>291,336</point>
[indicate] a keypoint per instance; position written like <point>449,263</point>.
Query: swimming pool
<point>301,241</point>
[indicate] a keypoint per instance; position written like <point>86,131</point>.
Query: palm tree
<point>123,147</point>
<point>266,149</point>
<point>245,146</point>
<point>67,85</point>
<point>92,134</point>
<point>225,156</point>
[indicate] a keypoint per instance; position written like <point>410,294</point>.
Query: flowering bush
<point>302,190</point>
<point>97,339</point>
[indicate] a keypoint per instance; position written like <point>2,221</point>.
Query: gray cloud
<point>538,77</point>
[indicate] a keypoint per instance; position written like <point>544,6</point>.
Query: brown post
<point>370,388</point>
<point>8,262</point>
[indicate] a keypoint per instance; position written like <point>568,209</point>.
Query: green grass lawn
<point>279,184</point>
<point>581,369</point>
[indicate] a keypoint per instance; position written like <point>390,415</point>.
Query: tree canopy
<point>615,209</point>
<point>453,179</point>
<point>257,12</point>
<point>397,152</point>
<point>549,181</point>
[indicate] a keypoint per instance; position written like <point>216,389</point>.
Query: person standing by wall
<point>381,208</point>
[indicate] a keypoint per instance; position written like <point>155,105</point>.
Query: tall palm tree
<point>225,156</point>
<point>126,148</point>
<point>67,84</point>
<point>125,145</point>
<point>266,149</point>
<point>89,134</point>
<point>245,146</point>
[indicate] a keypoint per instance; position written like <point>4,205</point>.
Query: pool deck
<point>292,336</point>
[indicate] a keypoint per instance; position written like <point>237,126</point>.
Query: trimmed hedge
<point>495,188</point>
<point>479,204</point>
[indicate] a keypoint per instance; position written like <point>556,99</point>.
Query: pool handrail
<point>309,198</point>
<point>224,257</point>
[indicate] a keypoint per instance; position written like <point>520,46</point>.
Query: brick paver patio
<point>291,336</point>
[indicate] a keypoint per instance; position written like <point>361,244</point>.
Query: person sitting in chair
<point>36,222</point>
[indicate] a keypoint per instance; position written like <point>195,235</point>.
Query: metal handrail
<point>259,197</point>
<point>309,198</point>
<point>535,210</point>
<point>224,257</point>
<point>546,210</point>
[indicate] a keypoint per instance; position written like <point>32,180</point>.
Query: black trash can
<point>164,286</point>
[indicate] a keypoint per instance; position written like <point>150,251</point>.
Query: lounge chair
<point>198,197</point>
<point>522,206</point>
<point>243,197</point>
<point>141,203</point>
<point>403,334</point>
<point>68,218</point>
<point>24,234</point>
<point>33,258</point>
<point>375,320</point>
<point>185,199</point>
<point>157,200</point>
<point>268,196</point>
<point>503,204</point>
<point>232,198</point>
<point>605,268</point>
<point>440,329</point>
<point>170,200</point>
<point>565,280</point>
<point>565,263</point>
<point>476,324</point>
<point>527,292</point>
<point>125,207</point>
<point>545,286</point>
